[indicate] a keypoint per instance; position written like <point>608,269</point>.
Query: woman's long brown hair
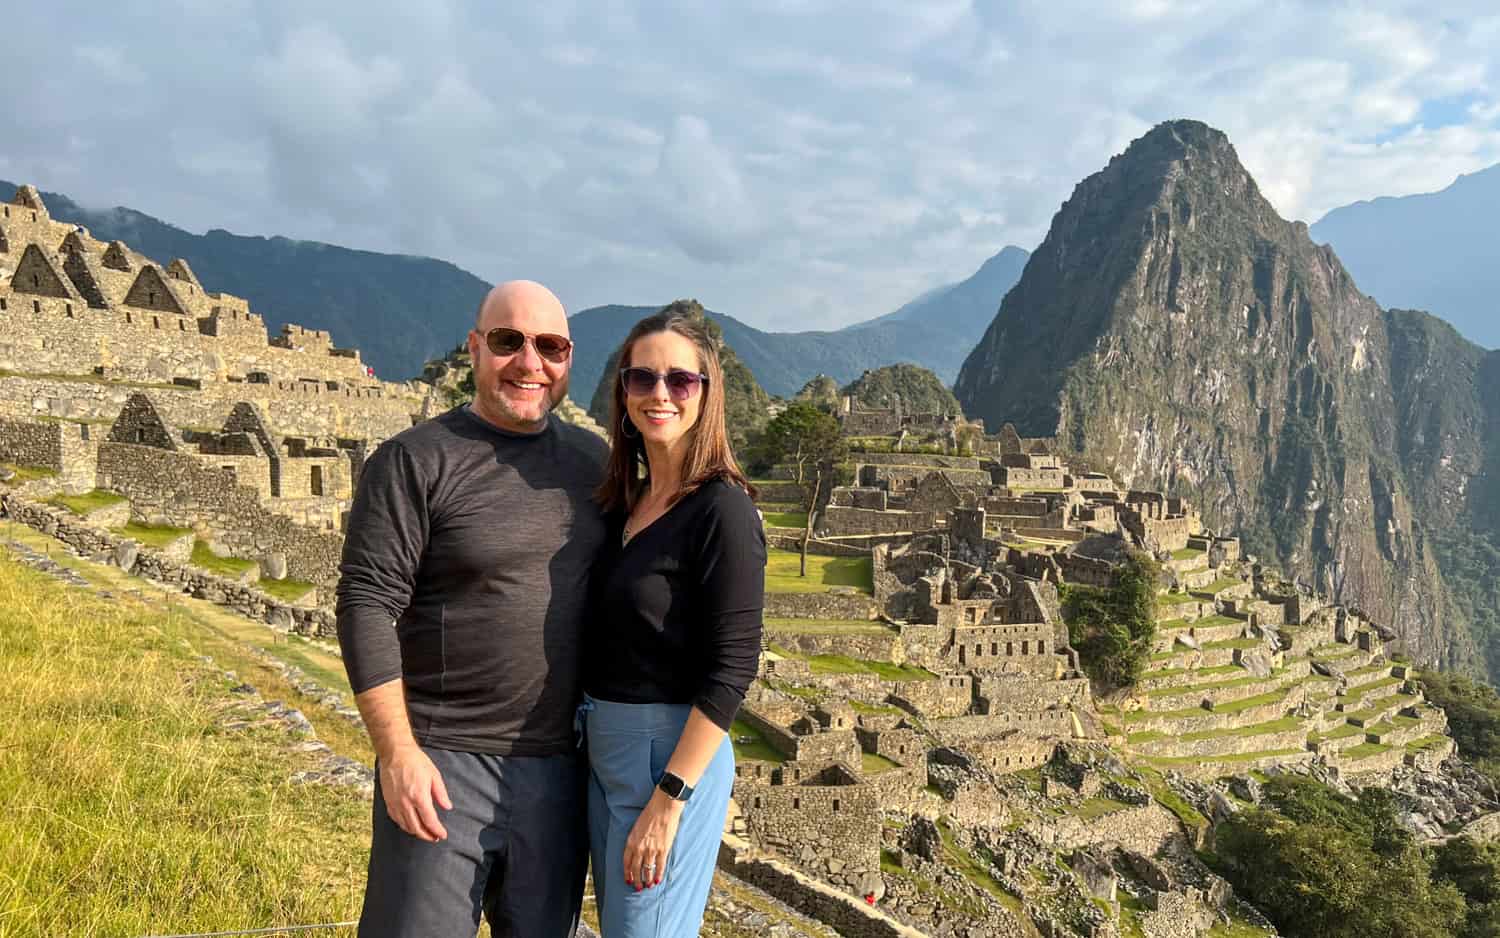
<point>709,455</point>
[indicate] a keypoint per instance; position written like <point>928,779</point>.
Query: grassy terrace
<point>1282,725</point>
<point>1098,807</point>
<point>1365,751</point>
<point>976,872</point>
<point>750,744</point>
<point>90,379</point>
<point>786,519</point>
<point>1239,643</point>
<point>231,567</point>
<point>1214,685</point>
<point>1338,732</point>
<point>843,664</point>
<point>89,501</point>
<point>1427,743</point>
<point>828,627</point>
<point>1357,691</point>
<point>823,573</point>
<point>1176,599</point>
<point>26,474</point>
<point>1334,651</point>
<point>153,536</point>
<point>873,764</point>
<point>1238,706</point>
<point>1206,672</point>
<point>1233,758</point>
<point>1216,587</point>
<point>1187,553</point>
<point>1386,705</point>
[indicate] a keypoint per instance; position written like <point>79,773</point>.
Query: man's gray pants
<point>517,850</point>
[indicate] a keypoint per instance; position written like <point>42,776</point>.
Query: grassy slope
<point>126,808</point>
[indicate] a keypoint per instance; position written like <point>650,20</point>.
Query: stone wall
<point>898,479</point>
<point>1144,829</point>
<point>831,831</point>
<point>170,568</point>
<point>1014,477</point>
<point>175,489</point>
<point>883,647</point>
<point>916,460</point>
<point>948,695</point>
<point>837,521</point>
<point>1035,723</point>
<point>1014,753</point>
<point>856,606</point>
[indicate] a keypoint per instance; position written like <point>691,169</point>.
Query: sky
<point>794,163</point>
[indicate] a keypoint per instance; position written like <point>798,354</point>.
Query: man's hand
<point>411,785</point>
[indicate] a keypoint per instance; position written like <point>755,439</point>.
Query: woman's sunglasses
<point>504,341</point>
<point>681,385</point>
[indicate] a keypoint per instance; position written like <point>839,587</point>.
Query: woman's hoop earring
<point>625,427</point>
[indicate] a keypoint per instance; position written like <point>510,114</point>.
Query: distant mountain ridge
<point>398,310</point>
<point>1438,251</point>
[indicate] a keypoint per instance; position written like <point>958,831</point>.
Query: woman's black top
<point>676,613</point>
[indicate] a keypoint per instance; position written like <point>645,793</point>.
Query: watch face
<point>672,785</point>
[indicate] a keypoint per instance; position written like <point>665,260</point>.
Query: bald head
<point>522,304</point>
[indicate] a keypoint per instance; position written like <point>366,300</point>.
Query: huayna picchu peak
<point>1173,325</point>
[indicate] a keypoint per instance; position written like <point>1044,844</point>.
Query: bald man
<point>473,534</point>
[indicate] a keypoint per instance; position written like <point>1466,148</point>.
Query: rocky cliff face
<point>1174,325</point>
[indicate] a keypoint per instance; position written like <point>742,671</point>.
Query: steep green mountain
<point>1433,251</point>
<point>919,389</point>
<point>745,402</point>
<point>1174,325</point>
<point>396,309</point>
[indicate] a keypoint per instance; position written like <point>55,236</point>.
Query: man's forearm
<point>383,708</point>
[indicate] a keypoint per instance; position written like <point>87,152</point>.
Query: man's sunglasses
<point>505,341</point>
<point>681,385</point>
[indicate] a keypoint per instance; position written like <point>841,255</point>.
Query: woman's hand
<point>650,841</point>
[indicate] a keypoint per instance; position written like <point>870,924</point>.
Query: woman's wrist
<point>666,802</point>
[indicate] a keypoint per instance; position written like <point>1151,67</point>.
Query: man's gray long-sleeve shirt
<point>478,544</point>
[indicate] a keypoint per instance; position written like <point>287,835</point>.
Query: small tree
<point>808,440</point>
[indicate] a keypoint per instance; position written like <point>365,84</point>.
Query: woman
<point>675,634</point>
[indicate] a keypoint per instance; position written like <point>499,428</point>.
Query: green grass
<point>128,809</point>
<point>1176,599</point>
<point>1283,725</point>
<point>1187,553</point>
<point>1098,807</point>
<point>843,664</point>
<point>1365,750</point>
<point>786,519</point>
<point>1236,757</point>
<point>1236,643</point>
<point>288,590</point>
<point>89,501</point>
<point>1217,586</point>
<point>26,474</point>
<point>828,626</point>
<point>1426,743</point>
<point>1235,928</point>
<point>976,872</point>
<point>1208,622</point>
<point>1233,707</point>
<point>756,747</point>
<point>231,567</point>
<point>1169,799</point>
<point>822,573</point>
<point>874,764</point>
<point>1338,732</point>
<point>154,536</point>
<point>1246,681</point>
<point>861,707</point>
<point>90,379</point>
<point>1207,672</point>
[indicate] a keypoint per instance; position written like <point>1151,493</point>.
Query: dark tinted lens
<point>503,341</point>
<point>554,348</point>
<point>682,384</point>
<point>638,381</point>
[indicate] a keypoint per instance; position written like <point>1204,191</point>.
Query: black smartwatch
<point>675,787</point>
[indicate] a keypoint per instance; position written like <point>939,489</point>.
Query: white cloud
<point>796,163</point>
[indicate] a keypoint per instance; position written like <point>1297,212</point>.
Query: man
<point>474,532</point>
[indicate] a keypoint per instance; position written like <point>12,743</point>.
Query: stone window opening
<point>83,431</point>
<point>36,279</point>
<point>182,325</point>
<point>796,804</point>
<point>835,804</point>
<point>900,750</point>
<point>757,801</point>
<point>315,481</point>
<point>36,306</point>
<point>1010,649</point>
<point>1025,648</point>
<point>68,310</point>
<point>156,322</point>
<point>1041,647</point>
<point>2,305</point>
<point>128,318</point>
<point>140,435</point>
<point>994,648</point>
<point>33,216</point>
